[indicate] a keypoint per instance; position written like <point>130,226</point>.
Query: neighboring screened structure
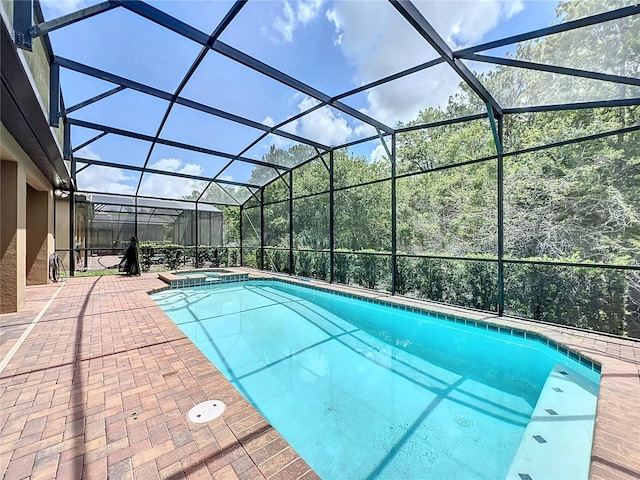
<point>113,220</point>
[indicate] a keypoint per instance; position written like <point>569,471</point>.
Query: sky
<point>332,46</point>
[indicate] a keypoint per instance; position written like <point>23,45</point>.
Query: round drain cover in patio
<point>206,411</point>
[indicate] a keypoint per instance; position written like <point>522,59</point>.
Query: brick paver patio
<point>101,386</point>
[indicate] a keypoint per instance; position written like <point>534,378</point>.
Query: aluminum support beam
<point>135,168</point>
<point>384,144</point>
<point>86,237</point>
<point>142,88</point>
<point>291,264</point>
<point>94,99</point>
<point>469,118</point>
<point>262,229</point>
<point>575,106</point>
<point>500,222</point>
<point>72,231</point>
<point>497,138</point>
<point>197,238</point>
<point>289,81</point>
<point>171,143</point>
<point>54,95</point>
<point>159,17</point>
<point>394,216</point>
<point>573,141</point>
<point>89,142</point>
<point>409,11</point>
<point>22,22</point>
<point>240,233</point>
<point>561,27</point>
<point>390,78</point>
<point>135,220</point>
<point>574,72</point>
<point>66,144</point>
<point>110,77</point>
<point>331,220</point>
<point>281,124</point>
<point>194,66</point>
<point>181,28</point>
<point>46,27</point>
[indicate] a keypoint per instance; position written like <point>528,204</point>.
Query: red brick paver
<point>102,384</point>
<point>101,387</point>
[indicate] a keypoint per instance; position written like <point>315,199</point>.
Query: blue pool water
<point>367,391</point>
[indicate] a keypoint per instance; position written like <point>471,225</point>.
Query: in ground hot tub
<point>199,277</point>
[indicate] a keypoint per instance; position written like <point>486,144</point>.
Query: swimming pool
<point>363,390</point>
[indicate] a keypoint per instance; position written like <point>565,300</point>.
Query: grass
<point>108,271</point>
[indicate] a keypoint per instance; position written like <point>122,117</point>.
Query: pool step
<point>557,441</point>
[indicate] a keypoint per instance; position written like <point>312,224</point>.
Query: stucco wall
<point>13,236</point>
<point>62,230</point>
<point>22,226</point>
<point>38,62</point>
<point>37,248</point>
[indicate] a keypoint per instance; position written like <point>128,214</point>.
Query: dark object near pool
<point>130,263</point>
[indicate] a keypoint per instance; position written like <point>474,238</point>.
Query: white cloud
<point>291,127</point>
<point>379,153</point>
<point>306,103</point>
<point>171,187</point>
<point>269,122</point>
<point>479,18</point>
<point>98,178</point>
<point>379,42</point>
<point>364,129</point>
<point>86,152</point>
<point>175,165</point>
<point>308,10</point>
<point>280,142</point>
<point>322,125</point>
<point>61,7</point>
<point>325,126</point>
<point>293,15</point>
<point>286,25</point>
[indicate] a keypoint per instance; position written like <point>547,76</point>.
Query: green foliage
<point>366,268</point>
<point>276,260</point>
<point>363,217</point>
<point>341,267</point>
<point>233,257</point>
<point>588,298</point>
<point>172,257</point>
<point>467,283</point>
<point>231,225</point>
<point>251,257</point>
<point>426,149</point>
<point>207,256</point>
<point>312,264</point>
<point>370,270</point>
